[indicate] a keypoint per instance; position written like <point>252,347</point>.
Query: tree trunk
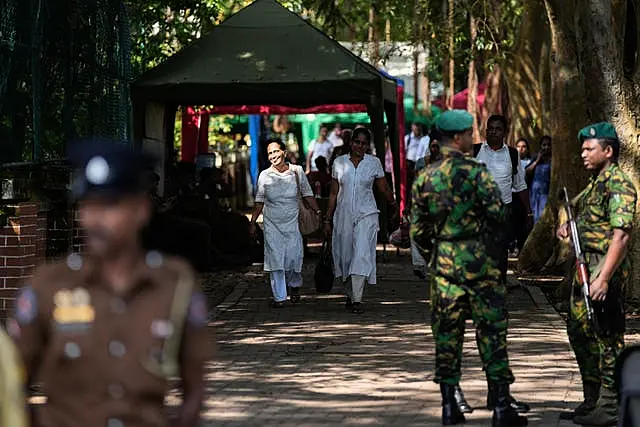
<point>472,85</point>
<point>610,95</point>
<point>374,54</point>
<point>451,54</point>
<point>425,84</point>
<point>493,97</point>
<point>523,73</point>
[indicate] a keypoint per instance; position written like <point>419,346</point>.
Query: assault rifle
<point>581,264</point>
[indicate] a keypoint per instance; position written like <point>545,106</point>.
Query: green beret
<point>454,121</point>
<point>602,130</point>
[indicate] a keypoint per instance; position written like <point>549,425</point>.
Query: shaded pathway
<point>317,364</point>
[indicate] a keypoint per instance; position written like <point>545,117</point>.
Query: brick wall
<point>22,241</point>
<point>77,236</point>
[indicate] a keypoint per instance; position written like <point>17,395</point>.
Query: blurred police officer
<point>107,330</point>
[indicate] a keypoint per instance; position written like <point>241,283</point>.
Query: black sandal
<point>277,304</point>
<point>295,295</point>
<point>357,308</point>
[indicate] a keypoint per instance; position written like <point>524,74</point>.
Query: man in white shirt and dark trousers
<point>504,165</point>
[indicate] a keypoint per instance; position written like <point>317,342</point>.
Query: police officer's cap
<point>107,168</point>
<point>454,121</point>
<point>602,130</point>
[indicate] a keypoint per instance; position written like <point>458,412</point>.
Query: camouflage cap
<point>602,130</point>
<point>453,121</point>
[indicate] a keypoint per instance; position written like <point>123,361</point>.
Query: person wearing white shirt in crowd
<point>319,147</point>
<point>495,154</point>
<point>336,136</point>
<point>354,228</point>
<point>414,144</point>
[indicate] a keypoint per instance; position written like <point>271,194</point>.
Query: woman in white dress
<point>277,199</point>
<point>354,227</point>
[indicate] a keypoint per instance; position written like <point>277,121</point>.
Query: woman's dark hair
<point>361,131</point>
<point>270,141</point>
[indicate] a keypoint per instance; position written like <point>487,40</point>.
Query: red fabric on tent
<point>403,175</point>
<point>460,98</point>
<point>203,137</point>
<point>279,109</point>
<point>190,124</point>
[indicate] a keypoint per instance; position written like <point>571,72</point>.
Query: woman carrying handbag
<point>279,198</point>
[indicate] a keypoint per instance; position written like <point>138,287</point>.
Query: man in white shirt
<point>319,147</point>
<point>336,136</point>
<point>504,165</point>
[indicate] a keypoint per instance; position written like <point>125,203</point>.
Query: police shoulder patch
<point>198,312</point>
<point>26,306</point>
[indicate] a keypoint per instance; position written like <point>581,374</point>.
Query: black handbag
<point>323,276</point>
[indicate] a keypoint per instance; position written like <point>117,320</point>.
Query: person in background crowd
<point>343,149</point>
<point>524,149</point>
<point>540,170</point>
<point>321,178</point>
<point>521,227</point>
<point>504,165</point>
<point>319,147</point>
<point>335,137</point>
<point>279,188</point>
<point>388,159</point>
<point>105,332</point>
<point>354,228</point>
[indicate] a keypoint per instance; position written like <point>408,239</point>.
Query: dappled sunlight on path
<point>318,364</point>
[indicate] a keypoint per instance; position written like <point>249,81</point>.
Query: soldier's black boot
<point>605,413</point>
<point>451,414</point>
<point>504,415</point>
<point>463,406</point>
<point>516,405</point>
<point>591,392</point>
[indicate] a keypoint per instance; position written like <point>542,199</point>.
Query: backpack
<point>513,154</point>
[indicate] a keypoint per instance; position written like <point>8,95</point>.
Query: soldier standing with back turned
<point>604,216</point>
<point>455,201</point>
<point>107,330</point>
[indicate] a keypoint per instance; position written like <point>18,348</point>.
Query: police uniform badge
<point>26,306</point>
<point>73,310</point>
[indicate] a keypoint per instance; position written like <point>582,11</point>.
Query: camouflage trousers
<point>451,304</point>
<point>597,354</point>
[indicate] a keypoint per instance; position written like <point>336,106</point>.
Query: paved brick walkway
<point>317,364</point>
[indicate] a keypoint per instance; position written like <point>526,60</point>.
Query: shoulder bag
<point>308,220</point>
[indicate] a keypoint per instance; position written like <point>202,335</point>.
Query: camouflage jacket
<point>454,200</point>
<point>608,202</point>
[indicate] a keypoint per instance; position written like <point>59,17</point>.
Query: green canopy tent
<point>263,55</point>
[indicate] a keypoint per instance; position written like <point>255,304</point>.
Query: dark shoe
<point>419,274</point>
<point>519,407</point>
<point>277,304</point>
<point>451,414</point>
<point>605,413</point>
<point>504,415</point>
<point>295,295</point>
<point>348,304</point>
<point>463,406</point>
<point>591,394</point>
<point>357,308</point>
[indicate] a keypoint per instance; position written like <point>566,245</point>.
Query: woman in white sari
<point>279,188</point>
<point>355,223</point>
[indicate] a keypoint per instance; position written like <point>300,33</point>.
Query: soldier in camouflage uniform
<point>604,215</point>
<point>455,202</point>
